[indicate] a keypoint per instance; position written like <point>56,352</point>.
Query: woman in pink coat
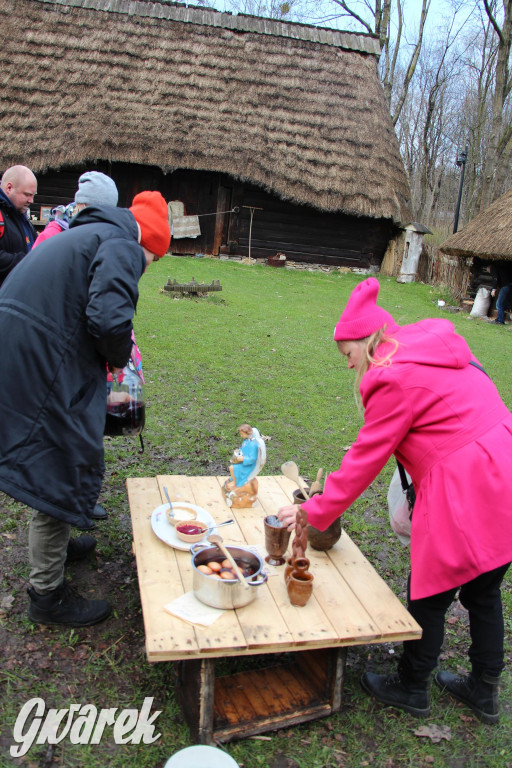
<point>427,402</point>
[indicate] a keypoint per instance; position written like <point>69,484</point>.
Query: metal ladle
<point>219,525</point>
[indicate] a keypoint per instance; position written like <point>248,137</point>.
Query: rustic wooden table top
<point>350,605</point>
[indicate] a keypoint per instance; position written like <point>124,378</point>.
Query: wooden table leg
<point>195,688</point>
<point>338,663</point>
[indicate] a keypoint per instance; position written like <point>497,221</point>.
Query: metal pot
<point>225,594</point>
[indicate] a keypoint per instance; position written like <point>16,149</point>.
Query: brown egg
<point>214,575</point>
<point>226,564</point>
<point>205,569</point>
<point>227,574</point>
<point>215,566</point>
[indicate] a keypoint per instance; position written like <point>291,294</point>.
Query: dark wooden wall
<point>301,232</point>
<point>308,235</point>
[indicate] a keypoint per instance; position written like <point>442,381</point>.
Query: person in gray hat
<point>95,188</point>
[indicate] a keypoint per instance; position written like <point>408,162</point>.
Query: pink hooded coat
<point>445,421</point>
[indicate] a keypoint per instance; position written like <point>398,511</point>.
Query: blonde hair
<point>370,344</point>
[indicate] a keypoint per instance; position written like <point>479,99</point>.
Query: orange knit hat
<point>150,211</point>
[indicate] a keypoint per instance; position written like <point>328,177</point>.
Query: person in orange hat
<point>75,297</point>
<point>427,401</point>
<point>150,210</point>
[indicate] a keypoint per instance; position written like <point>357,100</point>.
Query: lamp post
<point>461,161</point>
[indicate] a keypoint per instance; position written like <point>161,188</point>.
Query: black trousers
<point>482,599</point>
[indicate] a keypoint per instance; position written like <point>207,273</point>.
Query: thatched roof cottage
<point>488,236</point>
<point>465,256</point>
<point>283,121</point>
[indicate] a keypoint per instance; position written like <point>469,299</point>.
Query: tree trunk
<point>497,140</point>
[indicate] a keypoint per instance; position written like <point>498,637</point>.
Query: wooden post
<point>252,208</point>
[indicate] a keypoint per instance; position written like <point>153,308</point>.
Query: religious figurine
<point>241,490</point>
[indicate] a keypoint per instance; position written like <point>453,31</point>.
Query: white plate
<point>166,532</point>
<point>200,755</point>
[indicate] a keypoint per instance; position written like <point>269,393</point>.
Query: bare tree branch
<point>354,15</point>
<point>413,62</point>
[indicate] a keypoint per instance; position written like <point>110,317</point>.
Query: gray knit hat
<point>94,188</point>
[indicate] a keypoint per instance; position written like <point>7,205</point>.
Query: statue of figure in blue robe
<point>242,488</point>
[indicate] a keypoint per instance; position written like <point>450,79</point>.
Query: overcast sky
<point>324,12</point>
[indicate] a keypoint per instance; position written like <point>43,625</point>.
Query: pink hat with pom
<point>362,316</point>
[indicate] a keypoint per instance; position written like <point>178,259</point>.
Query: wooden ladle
<point>215,539</point>
<point>291,471</point>
<point>316,485</point>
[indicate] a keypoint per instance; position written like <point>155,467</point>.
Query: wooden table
<point>306,647</point>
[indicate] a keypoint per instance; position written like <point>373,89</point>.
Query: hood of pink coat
<point>429,342</point>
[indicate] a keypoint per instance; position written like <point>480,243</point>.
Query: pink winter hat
<point>362,316</point>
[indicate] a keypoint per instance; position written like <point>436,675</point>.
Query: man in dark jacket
<point>65,312</point>
<point>501,272</point>
<point>17,235</point>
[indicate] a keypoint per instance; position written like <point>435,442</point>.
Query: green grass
<point>260,350</point>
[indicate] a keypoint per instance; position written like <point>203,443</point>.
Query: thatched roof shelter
<point>488,236</point>
<point>294,109</point>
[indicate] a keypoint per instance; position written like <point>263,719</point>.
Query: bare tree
<point>501,134</point>
<point>292,10</point>
<point>380,14</point>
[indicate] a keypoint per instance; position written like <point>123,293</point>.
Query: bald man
<point>17,189</point>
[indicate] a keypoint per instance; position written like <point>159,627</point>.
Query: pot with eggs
<point>215,584</point>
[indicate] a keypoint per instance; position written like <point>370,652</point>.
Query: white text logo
<point>82,724</point>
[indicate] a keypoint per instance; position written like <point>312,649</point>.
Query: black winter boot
<point>479,693</point>
<point>98,513</point>
<point>396,690</point>
<point>80,547</point>
<point>65,606</point>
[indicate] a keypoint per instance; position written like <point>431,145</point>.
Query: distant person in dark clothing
<point>501,272</point>
<point>17,189</point>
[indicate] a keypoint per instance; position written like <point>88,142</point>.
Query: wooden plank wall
<point>308,235</point>
<point>303,233</point>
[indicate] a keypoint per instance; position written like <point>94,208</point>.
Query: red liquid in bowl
<point>189,530</point>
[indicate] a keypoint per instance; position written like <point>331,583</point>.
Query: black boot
<point>396,690</point>
<point>80,547</point>
<point>478,692</point>
<point>98,513</point>
<point>65,606</point>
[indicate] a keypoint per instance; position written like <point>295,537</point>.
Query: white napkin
<point>189,608</point>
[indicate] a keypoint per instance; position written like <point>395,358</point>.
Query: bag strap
<point>472,362</point>
<point>403,476</point>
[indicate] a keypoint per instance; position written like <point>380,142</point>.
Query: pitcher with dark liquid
<point>126,410</point>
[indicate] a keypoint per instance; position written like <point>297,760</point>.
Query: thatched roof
<point>488,235</point>
<point>295,109</point>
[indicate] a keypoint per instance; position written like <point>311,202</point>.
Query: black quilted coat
<point>65,311</point>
